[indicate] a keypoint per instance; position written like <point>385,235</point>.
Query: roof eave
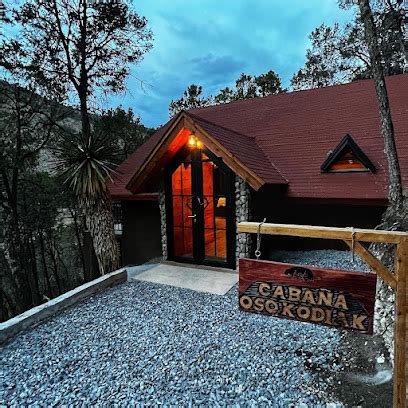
<point>183,120</point>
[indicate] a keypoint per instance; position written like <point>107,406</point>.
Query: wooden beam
<point>158,152</point>
<point>309,231</point>
<point>376,265</point>
<point>400,337</point>
<point>184,121</point>
<point>231,161</point>
<point>399,279</point>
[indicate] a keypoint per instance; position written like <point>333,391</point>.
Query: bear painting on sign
<point>341,299</point>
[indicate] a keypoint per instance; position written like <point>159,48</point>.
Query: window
<point>117,218</point>
<point>347,157</point>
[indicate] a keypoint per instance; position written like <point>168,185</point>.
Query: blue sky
<point>211,42</point>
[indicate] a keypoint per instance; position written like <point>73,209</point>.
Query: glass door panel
<point>182,211</point>
<point>209,239</point>
<point>221,244</point>
<point>215,212</point>
<point>208,174</point>
<point>186,178</point>
<point>208,212</point>
<point>201,216</point>
<point>188,242</point>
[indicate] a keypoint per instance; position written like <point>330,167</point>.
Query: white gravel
<point>150,344</point>
<point>323,258</point>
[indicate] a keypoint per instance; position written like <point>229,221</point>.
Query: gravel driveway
<point>144,343</point>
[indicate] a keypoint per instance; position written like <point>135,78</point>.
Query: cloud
<point>215,68</point>
<point>211,42</point>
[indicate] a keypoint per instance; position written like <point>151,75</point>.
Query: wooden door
<point>200,210</point>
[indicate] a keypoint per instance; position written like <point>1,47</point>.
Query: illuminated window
<point>347,157</point>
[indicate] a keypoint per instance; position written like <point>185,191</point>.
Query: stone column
<point>384,316</point>
<point>162,206</point>
<point>243,213</point>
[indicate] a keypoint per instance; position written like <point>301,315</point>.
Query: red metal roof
<point>123,174</point>
<point>285,138</point>
<point>244,148</point>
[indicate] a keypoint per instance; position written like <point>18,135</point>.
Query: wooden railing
<point>397,280</point>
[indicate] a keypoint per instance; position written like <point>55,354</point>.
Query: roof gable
<point>238,152</point>
<point>121,176</point>
<point>245,149</point>
<point>347,157</point>
<point>285,138</point>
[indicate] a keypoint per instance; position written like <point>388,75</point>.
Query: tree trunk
<point>399,14</point>
<point>17,260</point>
<point>45,267</point>
<point>54,262</point>
<point>83,81</point>
<point>99,221</point>
<point>395,194</point>
<point>74,215</point>
<point>9,292</point>
<point>36,282</point>
<point>66,277</point>
<point>395,217</point>
<point>85,121</point>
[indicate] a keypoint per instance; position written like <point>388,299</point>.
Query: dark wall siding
<point>330,213</point>
<point>141,238</point>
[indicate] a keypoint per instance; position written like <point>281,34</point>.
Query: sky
<point>211,42</point>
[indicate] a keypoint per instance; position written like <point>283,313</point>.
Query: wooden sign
<point>329,297</point>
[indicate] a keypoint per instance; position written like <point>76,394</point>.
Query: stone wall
<point>384,316</point>
<point>162,205</point>
<point>242,213</point>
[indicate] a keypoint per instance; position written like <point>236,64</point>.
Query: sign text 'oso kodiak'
<point>329,297</point>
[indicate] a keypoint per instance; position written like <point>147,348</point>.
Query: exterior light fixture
<point>192,141</point>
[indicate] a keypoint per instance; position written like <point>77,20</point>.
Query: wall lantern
<point>193,142</point>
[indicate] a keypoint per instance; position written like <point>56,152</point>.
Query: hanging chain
<point>353,236</point>
<point>258,240</point>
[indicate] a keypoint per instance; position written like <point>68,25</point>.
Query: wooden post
<point>400,337</point>
<point>397,281</point>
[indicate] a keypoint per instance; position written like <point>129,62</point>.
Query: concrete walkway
<point>199,279</point>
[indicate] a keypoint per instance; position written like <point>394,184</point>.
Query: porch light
<point>192,141</point>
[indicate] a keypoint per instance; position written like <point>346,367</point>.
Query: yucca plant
<point>84,164</point>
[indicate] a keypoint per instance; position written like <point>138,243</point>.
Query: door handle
<point>192,216</point>
<point>203,202</point>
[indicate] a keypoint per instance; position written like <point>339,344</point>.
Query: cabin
<point>306,157</point>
